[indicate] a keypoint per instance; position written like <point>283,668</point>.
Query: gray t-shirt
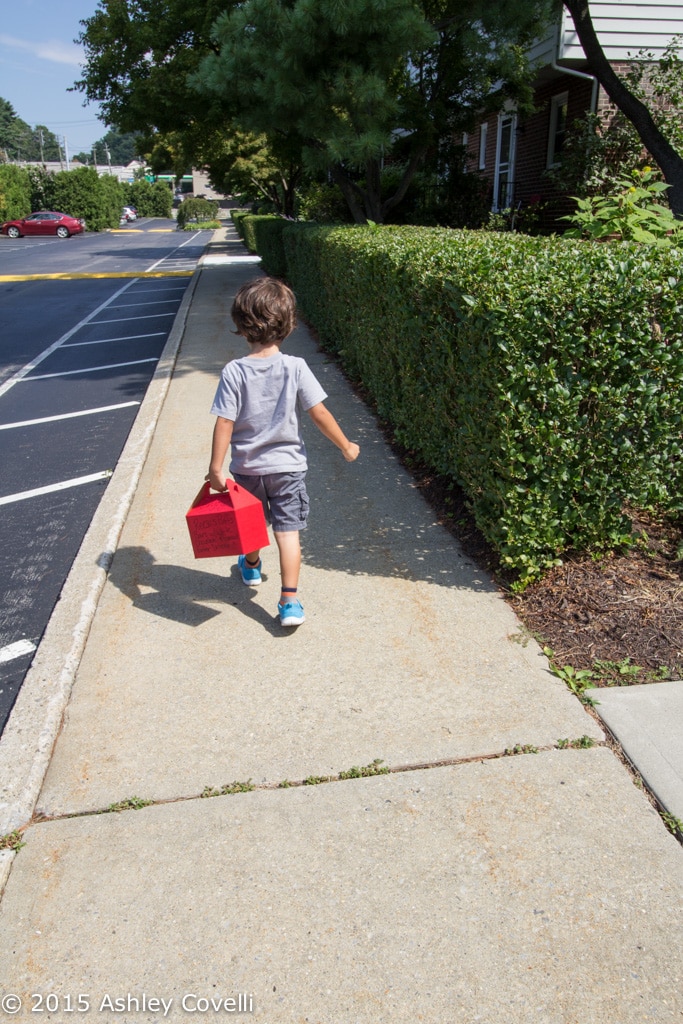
<point>263,397</point>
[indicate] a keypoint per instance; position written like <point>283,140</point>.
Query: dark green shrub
<point>84,193</point>
<point>150,199</point>
<point>15,192</point>
<point>323,204</point>
<point>237,217</point>
<point>263,235</point>
<point>544,375</point>
<point>196,210</point>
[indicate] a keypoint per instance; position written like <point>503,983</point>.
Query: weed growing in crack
<point>12,841</point>
<point>376,767</point>
<point>582,743</point>
<point>674,824</point>
<point>133,803</point>
<point>232,787</point>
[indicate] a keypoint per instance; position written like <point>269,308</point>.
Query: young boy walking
<point>257,406</point>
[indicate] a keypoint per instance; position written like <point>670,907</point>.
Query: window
<point>504,186</point>
<point>558,128</point>
<point>483,132</point>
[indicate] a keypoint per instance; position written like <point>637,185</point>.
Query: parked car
<point>129,213</point>
<point>45,222</point>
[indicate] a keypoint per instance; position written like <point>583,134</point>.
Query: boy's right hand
<point>352,452</point>
<point>216,480</point>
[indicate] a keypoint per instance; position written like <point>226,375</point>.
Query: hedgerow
<point>545,376</point>
<point>262,233</point>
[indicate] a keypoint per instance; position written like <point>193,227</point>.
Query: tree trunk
<point>352,194</point>
<point>415,160</point>
<point>661,149</point>
<point>373,192</point>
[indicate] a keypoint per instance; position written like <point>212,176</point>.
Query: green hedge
<point>262,234</point>
<point>238,220</point>
<point>545,376</point>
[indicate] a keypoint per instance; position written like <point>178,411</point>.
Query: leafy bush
<point>196,209</point>
<point>544,375</point>
<point>84,193</point>
<point>322,203</point>
<point>150,199</point>
<point>238,220</point>
<point>634,212</point>
<point>15,192</point>
<point>263,234</point>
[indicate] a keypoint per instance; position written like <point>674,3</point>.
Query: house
<point>515,154</point>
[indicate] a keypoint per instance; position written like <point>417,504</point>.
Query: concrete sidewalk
<point>464,885</point>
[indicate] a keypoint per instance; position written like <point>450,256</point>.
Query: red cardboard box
<point>226,522</point>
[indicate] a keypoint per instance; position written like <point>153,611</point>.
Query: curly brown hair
<point>264,311</point>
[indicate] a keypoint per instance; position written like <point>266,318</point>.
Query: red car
<point>46,222</point>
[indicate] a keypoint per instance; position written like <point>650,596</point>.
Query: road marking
<point>51,488</point>
<point>125,319</point>
<point>105,341</point>
<point>154,302</point>
<point>89,369</point>
<point>218,260</point>
<point>170,255</point>
<point>78,276</point>
<point>67,415</point>
<point>25,370</point>
<point>16,650</point>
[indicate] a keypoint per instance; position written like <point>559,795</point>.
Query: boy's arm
<point>222,436</point>
<point>327,425</point>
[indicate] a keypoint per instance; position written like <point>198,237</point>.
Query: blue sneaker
<point>291,614</point>
<point>251,576</point>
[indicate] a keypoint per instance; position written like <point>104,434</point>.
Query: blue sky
<point>39,61</point>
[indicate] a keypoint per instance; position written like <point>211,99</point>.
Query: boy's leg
<point>289,547</point>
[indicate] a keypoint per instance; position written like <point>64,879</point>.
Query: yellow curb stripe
<point>85,277</point>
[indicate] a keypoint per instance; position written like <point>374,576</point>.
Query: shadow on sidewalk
<point>184,595</point>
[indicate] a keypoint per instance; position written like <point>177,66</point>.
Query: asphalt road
<point>84,321</point>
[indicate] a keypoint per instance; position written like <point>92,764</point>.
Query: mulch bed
<point>620,616</point>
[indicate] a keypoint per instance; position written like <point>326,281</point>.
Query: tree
<point>122,147</point>
<point>652,137</point>
<point>18,141</point>
<point>343,84</point>
<point>355,81</point>
<point>139,55</point>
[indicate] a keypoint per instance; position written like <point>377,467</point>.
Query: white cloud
<point>51,49</point>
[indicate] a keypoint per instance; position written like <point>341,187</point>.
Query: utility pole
<point>94,157</point>
<point>66,153</point>
<point>42,153</point>
<point>106,150</point>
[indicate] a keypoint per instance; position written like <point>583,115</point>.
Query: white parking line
<point>104,341</point>
<point>25,370</point>
<point>67,415</point>
<point>165,259</point>
<point>51,488</point>
<point>16,650</point>
<point>125,319</point>
<point>156,302</point>
<point>88,369</point>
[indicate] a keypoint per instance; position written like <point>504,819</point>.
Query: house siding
<point>624,28</point>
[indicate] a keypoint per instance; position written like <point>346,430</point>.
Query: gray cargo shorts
<point>283,496</point>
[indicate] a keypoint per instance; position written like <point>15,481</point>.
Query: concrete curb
<point>33,726</point>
